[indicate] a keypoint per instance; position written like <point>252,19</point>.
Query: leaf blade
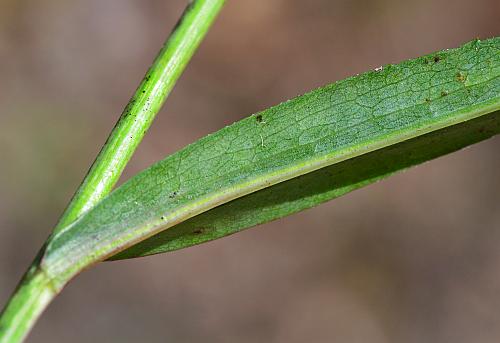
<point>341,121</point>
<point>313,189</point>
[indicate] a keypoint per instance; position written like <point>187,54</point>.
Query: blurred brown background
<point>411,259</point>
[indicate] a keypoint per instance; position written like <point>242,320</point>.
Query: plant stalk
<point>25,307</point>
<point>37,289</point>
<point>31,297</point>
<point>143,107</point>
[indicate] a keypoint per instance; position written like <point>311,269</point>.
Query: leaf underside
<point>292,156</point>
<point>312,189</point>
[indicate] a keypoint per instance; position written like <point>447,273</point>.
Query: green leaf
<point>342,124</point>
<point>314,188</point>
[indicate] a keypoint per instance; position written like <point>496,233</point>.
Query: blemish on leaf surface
<point>460,77</point>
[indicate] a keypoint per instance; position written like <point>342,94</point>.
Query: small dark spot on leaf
<point>173,195</point>
<point>162,218</point>
<point>444,93</point>
<point>427,100</point>
<point>259,118</point>
<point>143,91</point>
<point>460,77</point>
<point>436,59</point>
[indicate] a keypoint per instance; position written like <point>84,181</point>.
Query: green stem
<point>26,305</point>
<point>36,289</point>
<point>143,107</point>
